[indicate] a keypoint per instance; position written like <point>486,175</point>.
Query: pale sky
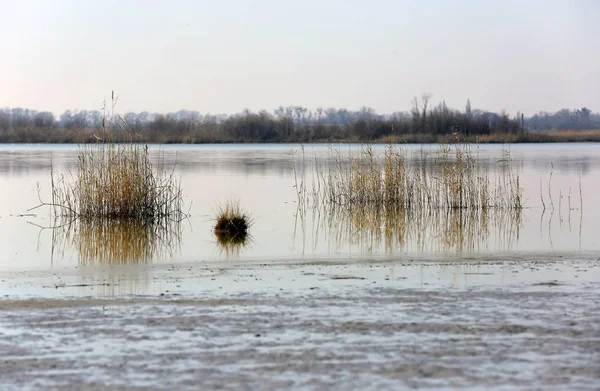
<point>227,55</point>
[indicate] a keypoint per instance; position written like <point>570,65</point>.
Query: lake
<point>311,300</point>
<point>262,179</point>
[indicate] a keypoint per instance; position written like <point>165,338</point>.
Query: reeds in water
<point>119,208</point>
<point>119,181</point>
<point>436,201</point>
<point>445,181</point>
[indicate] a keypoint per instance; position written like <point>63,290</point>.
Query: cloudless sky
<point>227,55</point>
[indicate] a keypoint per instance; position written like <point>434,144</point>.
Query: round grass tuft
<point>232,225</point>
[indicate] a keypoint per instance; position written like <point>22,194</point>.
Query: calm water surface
<point>262,178</point>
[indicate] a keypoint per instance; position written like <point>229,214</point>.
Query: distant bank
<point>424,123</point>
<point>87,136</point>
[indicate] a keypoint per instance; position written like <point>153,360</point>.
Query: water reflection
<point>232,246</point>
<point>117,241</point>
<point>20,160</point>
<point>113,281</point>
<point>425,230</point>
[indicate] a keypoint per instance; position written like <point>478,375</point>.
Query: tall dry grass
<point>564,136</point>
<point>443,200</point>
<point>120,207</point>
<point>117,180</point>
<point>452,179</point>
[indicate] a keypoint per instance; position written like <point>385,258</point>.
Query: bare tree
<point>415,110</point>
<point>424,102</point>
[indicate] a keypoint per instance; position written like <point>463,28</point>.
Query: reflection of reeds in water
<point>232,248</point>
<point>119,241</point>
<point>433,230</point>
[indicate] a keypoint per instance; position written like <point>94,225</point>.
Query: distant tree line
<point>564,119</point>
<point>423,123</point>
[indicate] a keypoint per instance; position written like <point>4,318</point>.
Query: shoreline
<point>372,326</point>
<point>86,136</point>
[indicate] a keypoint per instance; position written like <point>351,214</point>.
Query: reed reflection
<point>119,241</point>
<point>432,230</point>
<point>232,246</point>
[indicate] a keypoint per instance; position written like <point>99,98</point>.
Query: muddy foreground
<point>512,324</point>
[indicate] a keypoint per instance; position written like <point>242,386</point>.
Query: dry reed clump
<point>232,224</point>
<point>435,201</point>
<point>119,208</point>
<point>445,181</point>
<point>117,180</point>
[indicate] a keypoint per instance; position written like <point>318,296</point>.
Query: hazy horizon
<point>228,56</point>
